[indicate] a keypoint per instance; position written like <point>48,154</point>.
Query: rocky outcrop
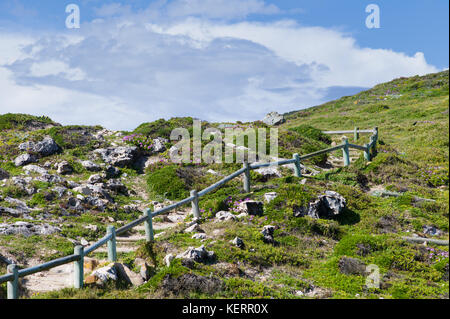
<point>91,166</point>
<point>121,156</point>
<point>326,206</point>
<point>274,118</point>
<point>267,232</point>
<point>46,147</point>
<point>199,254</point>
<point>24,159</point>
<point>252,207</point>
<point>224,216</point>
<point>27,229</point>
<point>64,168</point>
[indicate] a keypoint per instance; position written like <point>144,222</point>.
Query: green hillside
<point>308,257</point>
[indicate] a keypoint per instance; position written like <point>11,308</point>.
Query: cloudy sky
<point>219,60</point>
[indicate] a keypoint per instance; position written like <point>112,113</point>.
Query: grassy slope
<point>309,250</point>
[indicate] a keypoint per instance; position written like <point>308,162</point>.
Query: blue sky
<point>136,61</point>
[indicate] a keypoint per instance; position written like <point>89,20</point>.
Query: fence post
<point>297,167</point>
<point>78,265</point>
<point>246,177</point>
<point>195,208</point>
<point>148,225</point>
<point>372,145</point>
<point>367,152</point>
<point>112,253</point>
<point>356,134</point>
<point>13,285</point>
<point>345,152</point>
<point>375,138</point>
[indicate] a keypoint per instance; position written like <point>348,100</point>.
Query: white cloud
<point>120,71</point>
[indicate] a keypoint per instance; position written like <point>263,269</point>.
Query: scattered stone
<point>200,236</point>
<point>74,203</point>
<point>224,216</point>
<point>116,186</point>
<point>238,242</point>
<point>94,179</point>
<point>351,266</point>
<point>112,172</point>
<point>158,144</point>
<point>270,196</point>
<point>145,270</point>
<point>268,172</point>
<point>50,178</point>
<point>24,159</point>
<point>11,211</point>
<point>326,206</point>
<point>60,191</point>
<point>168,259</point>
<point>252,207</point>
<point>64,168</point>
<point>199,254</point>
<point>431,230</point>
<point>84,242</point>
<point>267,232</point>
<point>194,228</point>
<point>273,118</point>
<point>3,174</point>
<point>126,274</point>
<point>210,171</point>
<point>102,275</point>
<point>72,184</point>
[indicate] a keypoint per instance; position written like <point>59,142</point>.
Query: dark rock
<point>112,172</point>
<point>64,168</point>
<point>326,206</point>
<point>94,179</point>
<point>252,208</point>
<point>268,234</point>
<point>351,266</point>
<point>3,174</point>
<point>238,242</point>
<point>116,186</point>
<point>431,230</point>
<point>187,283</point>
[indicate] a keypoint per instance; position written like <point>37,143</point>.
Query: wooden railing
<point>14,273</point>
